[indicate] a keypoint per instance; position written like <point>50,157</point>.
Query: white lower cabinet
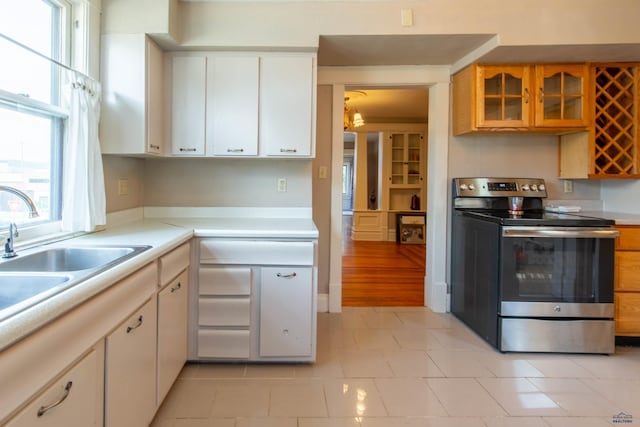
<point>286,307</point>
<point>130,369</point>
<point>73,400</point>
<point>255,300</point>
<point>172,333</point>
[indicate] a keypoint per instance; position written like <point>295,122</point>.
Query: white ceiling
<point>410,105</point>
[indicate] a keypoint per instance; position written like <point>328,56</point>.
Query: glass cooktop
<point>538,218</point>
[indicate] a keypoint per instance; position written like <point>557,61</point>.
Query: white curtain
<point>83,193</point>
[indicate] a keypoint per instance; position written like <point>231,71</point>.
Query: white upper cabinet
<point>232,106</point>
<point>287,100</point>
<point>132,117</point>
<point>188,105</point>
<point>238,105</point>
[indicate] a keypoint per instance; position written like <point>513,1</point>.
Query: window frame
<point>61,49</point>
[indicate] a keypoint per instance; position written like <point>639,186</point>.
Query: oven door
<point>557,272</point>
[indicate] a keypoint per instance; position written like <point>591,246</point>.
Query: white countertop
<point>162,234</point>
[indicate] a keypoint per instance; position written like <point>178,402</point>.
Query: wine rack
<point>615,132</point>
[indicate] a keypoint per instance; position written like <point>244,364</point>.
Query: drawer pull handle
<point>136,326</point>
<point>287,276</point>
<point>155,147</point>
<point>44,409</point>
<point>176,287</point>
<point>288,150</point>
<point>235,150</point>
<point>188,150</point>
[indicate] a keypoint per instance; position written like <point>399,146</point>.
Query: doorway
<point>377,268</point>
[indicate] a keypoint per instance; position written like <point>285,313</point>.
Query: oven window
<point>557,270</point>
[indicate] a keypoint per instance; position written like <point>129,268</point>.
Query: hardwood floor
<point>381,273</point>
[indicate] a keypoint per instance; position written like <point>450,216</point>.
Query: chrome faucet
<point>33,211</point>
<point>9,252</point>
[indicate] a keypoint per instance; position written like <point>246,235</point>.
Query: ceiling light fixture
<point>354,121</point>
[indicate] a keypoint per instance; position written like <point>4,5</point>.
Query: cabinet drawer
<point>78,394</point>
<point>224,311</point>
<point>224,281</point>
<point>256,252</point>
<point>627,314</point>
<point>627,271</point>
<point>173,263</point>
<point>223,343</point>
<point>629,238</point>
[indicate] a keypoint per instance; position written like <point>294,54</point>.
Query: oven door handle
<point>561,232</point>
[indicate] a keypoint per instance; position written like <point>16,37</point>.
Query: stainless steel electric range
<point>526,279</point>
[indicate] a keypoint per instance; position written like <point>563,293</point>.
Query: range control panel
<point>499,187</point>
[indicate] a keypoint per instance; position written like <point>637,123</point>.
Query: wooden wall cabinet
<point>627,281</point>
<point>520,98</point>
<point>609,149</point>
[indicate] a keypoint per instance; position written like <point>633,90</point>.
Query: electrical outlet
<point>123,187</point>
<point>406,17</point>
<point>282,185</point>
<point>568,186</point>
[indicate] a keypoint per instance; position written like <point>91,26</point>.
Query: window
<point>31,120</point>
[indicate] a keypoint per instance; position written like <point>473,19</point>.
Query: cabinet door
<point>188,105</point>
<point>172,333</point>
<point>627,271</point>
<point>154,120</point>
<point>74,400</point>
<point>232,106</point>
<point>287,105</point>
<point>286,311</point>
<point>561,95</point>
<point>122,119</point>
<point>503,96</point>
<point>130,369</point>
<point>627,315</point>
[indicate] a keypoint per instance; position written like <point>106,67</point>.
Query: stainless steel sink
<point>33,277</point>
<point>70,259</point>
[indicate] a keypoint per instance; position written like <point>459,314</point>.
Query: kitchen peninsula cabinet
<point>609,149</point>
<point>520,98</point>
<point>627,281</point>
<point>239,105</point>
<point>256,301</point>
<point>132,114</point>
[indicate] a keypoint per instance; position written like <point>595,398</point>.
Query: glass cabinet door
<point>560,95</point>
<point>503,96</point>
<point>406,159</point>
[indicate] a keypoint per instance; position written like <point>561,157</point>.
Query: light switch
<point>406,17</point>
<point>322,172</point>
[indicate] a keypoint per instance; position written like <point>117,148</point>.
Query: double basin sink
<point>32,278</point>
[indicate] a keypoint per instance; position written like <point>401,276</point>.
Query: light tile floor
<point>382,367</point>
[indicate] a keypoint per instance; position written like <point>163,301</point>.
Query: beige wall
<point>516,156</point>
<point>132,170</point>
<point>226,182</point>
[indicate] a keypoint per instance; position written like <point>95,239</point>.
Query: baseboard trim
<point>323,303</point>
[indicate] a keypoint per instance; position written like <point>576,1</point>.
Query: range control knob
<point>541,187</point>
<point>463,187</point>
<point>472,187</point>
<point>525,187</point>
<point>534,187</point>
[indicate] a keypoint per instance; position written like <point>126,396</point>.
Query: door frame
<point>437,78</point>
